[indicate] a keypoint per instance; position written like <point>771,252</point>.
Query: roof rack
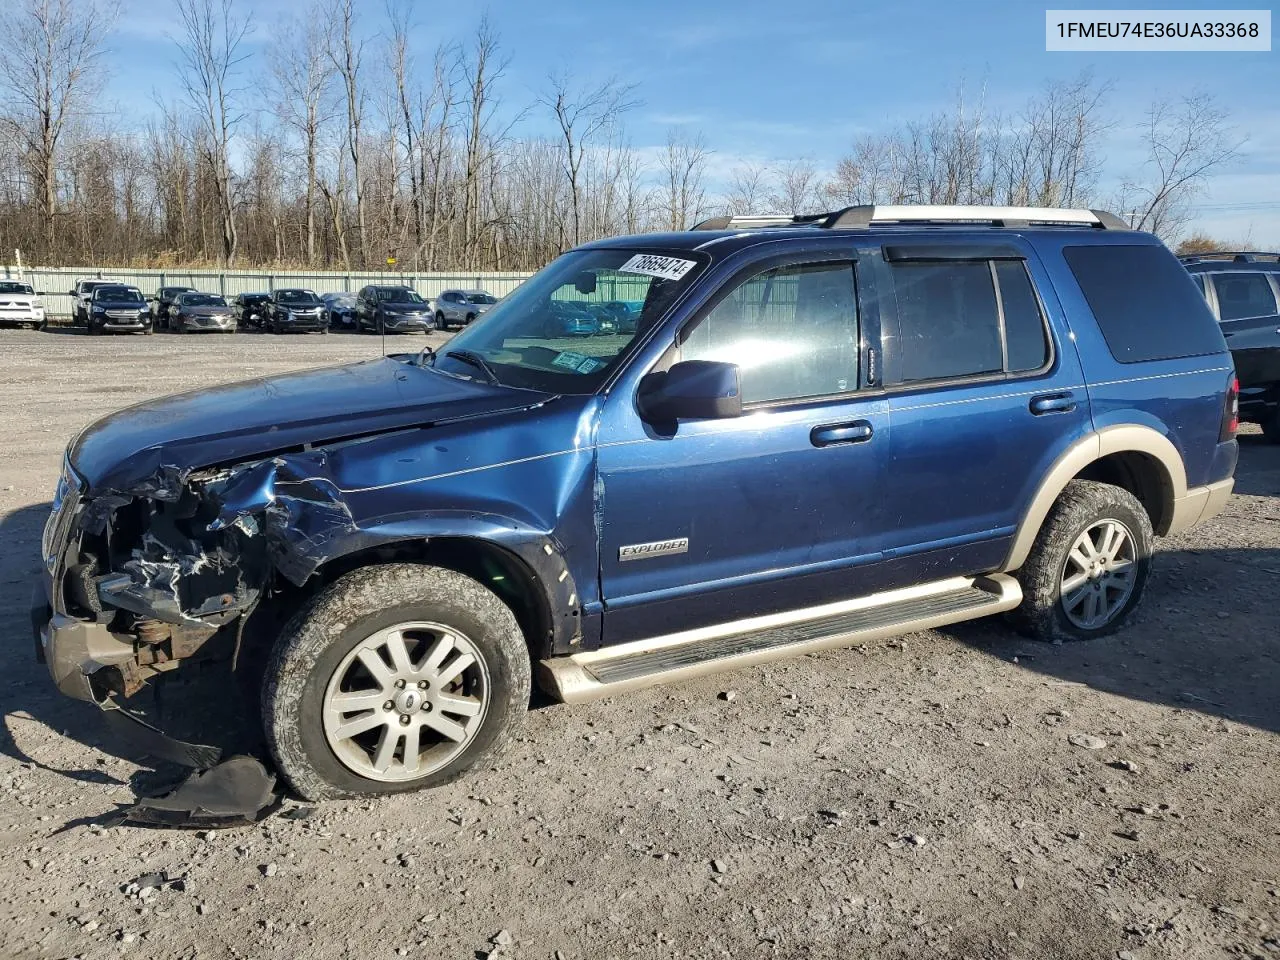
<point>861,217</point>
<point>1237,256</point>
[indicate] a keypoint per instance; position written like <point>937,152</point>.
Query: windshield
<point>296,296</point>
<point>201,300</point>
<point>479,298</point>
<point>564,329</point>
<point>118,294</point>
<point>8,286</point>
<point>399,295</point>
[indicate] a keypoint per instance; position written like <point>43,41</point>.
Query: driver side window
<point>792,331</point>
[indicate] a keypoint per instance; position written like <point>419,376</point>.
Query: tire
<point>470,319</point>
<point>315,652</point>
<point>1084,507</point>
<point>441,323</point>
<point>1271,425</point>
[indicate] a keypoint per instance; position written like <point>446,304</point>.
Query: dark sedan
<point>341,308</point>
<point>295,310</point>
<point>250,309</point>
<point>164,299</point>
<point>201,313</point>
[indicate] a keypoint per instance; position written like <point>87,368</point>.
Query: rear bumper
<point>1200,504</point>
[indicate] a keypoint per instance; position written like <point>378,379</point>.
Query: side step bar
<point>678,656</point>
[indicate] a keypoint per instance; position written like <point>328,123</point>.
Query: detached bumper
<point>74,651</point>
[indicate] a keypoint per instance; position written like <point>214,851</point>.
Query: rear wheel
<point>440,321</point>
<point>1089,566</point>
<point>394,678</point>
<point>1271,425</point>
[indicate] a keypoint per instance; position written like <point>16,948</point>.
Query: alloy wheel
<point>406,701</point>
<point>1099,574</point>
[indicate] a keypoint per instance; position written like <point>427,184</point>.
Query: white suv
<point>20,305</point>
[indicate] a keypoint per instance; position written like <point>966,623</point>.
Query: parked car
<point>295,310</point>
<point>81,294</point>
<point>1243,291</point>
<point>407,542</point>
<point>118,308</point>
<point>566,318</point>
<point>164,299</point>
<point>20,305</point>
<point>201,313</point>
<point>341,309</point>
<point>460,307</point>
<point>389,309</point>
<point>250,309</point>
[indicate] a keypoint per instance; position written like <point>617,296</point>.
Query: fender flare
<point>1122,438</point>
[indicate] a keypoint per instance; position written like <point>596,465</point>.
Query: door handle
<point>1053,403</point>
<point>859,431</point>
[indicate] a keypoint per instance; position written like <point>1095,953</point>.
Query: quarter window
<point>792,331</point>
<point>1242,295</point>
<point>967,318</point>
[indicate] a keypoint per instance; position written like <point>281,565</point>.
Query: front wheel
<point>441,324</point>
<point>394,678</point>
<point>1089,566</point>
<point>1271,425</point>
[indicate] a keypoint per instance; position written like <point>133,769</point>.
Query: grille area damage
<point>175,565</point>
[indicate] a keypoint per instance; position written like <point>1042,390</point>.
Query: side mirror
<point>71,293</point>
<point>691,390</point>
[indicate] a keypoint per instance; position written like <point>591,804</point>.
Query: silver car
<point>460,307</point>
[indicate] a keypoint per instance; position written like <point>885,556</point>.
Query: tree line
<point>354,147</point>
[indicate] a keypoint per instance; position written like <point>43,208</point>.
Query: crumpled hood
<point>147,449</point>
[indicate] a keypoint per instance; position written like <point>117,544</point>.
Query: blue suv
<point>818,431</point>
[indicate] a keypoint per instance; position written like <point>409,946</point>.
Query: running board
<point>678,656</point>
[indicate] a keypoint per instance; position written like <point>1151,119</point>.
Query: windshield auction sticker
<point>668,268</point>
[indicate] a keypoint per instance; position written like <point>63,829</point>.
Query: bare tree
<point>210,49</point>
<point>483,68</point>
<point>1184,141</point>
<point>50,68</point>
<point>347,52</point>
<point>683,190</point>
<point>747,189</point>
<point>303,85</point>
<point>582,114</point>
<point>795,187</point>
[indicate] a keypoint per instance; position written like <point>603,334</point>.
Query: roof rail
<point>1238,256</point>
<point>861,217</point>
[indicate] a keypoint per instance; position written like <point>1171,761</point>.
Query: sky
<point>771,81</point>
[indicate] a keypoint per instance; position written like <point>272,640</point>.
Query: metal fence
<point>54,283</point>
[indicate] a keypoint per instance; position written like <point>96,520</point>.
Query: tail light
<point>1231,412</point>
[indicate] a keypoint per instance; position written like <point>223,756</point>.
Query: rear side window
<point>1145,303</point>
<point>1242,295</point>
<point>967,318</point>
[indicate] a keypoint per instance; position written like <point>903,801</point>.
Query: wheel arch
<point>528,573</point>
<point>1136,458</point>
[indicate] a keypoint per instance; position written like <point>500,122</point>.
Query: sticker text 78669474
<point>668,268</point>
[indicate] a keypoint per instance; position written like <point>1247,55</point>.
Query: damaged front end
<point>142,580</point>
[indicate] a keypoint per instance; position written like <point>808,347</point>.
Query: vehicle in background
<point>391,309</point>
<point>341,309</point>
<point>201,313</point>
<point>81,293</point>
<point>163,300</point>
<point>569,318</point>
<point>460,307</point>
<point>20,304</point>
<point>761,471</point>
<point>118,308</point>
<point>296,310</point>
<point>250,309</point>
<point>1243,291</point>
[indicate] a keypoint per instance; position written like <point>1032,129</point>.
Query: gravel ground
<point>914,798</point>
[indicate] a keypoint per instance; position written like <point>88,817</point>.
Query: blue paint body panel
<point>385,452</point>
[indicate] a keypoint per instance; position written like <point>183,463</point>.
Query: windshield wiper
<point>477,361</point>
